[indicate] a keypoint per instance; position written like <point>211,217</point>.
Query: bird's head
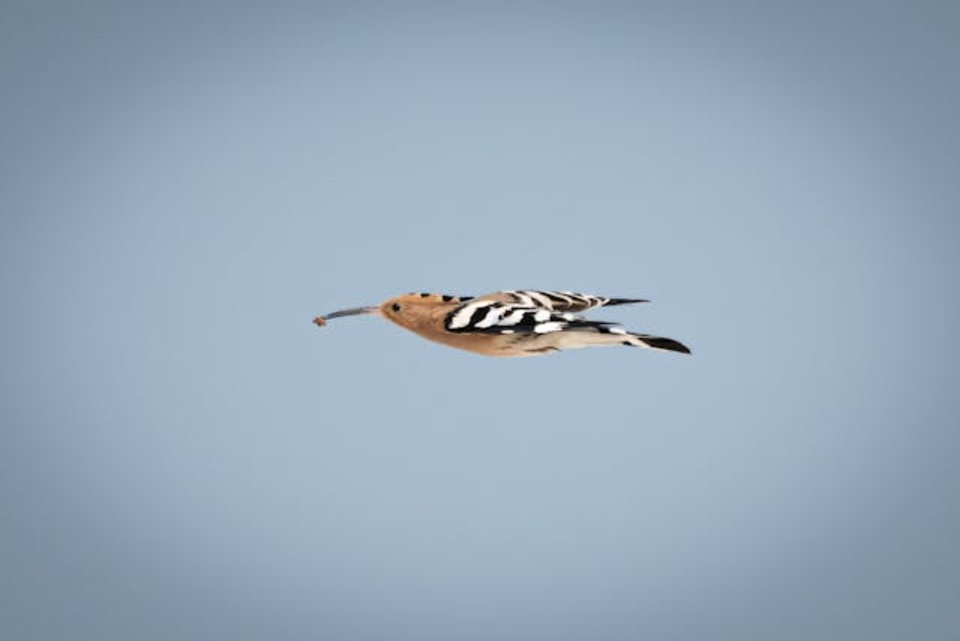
<point>407,310</point>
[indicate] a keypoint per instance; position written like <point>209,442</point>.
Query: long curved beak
<point>320,321</point>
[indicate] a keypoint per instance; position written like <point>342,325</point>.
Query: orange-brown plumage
<point>508,323</point>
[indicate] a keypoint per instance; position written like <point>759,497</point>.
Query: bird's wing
<point>483,316</point>
<point>555,301</point>
<point>492,315</point>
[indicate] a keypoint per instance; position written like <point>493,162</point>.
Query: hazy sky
<point>185,456</point>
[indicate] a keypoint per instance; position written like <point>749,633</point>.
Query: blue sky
<point>186,456</point>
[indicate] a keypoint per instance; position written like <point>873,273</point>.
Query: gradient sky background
<point>185,185</point>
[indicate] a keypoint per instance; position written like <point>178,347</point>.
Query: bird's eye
<point>395,307</point>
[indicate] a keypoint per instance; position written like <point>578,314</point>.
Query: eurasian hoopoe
<point>509,323</point>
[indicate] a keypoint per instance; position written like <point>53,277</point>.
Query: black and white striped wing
<point>492,316</point>
<point>556,301</point>
<point>486,316</point>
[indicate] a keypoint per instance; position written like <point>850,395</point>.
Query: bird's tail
<point>596,333</point>
<point>655,342</point>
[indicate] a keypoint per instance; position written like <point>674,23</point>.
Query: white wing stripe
<point>539,300</point>
<point>513,317</point>
<point>462,318</point>
<point>492,318</point>
<point>546,328</point>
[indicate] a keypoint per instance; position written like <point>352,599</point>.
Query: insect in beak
<point>320,321</point>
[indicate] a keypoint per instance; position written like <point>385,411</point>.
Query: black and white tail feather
<point>547,321</point>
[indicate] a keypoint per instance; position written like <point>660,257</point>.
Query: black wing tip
<point>625,301</point>
<point>668,344</point>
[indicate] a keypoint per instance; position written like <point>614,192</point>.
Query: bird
<point>511,322</point>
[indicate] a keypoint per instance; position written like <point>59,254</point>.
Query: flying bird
<point>510,323</point>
